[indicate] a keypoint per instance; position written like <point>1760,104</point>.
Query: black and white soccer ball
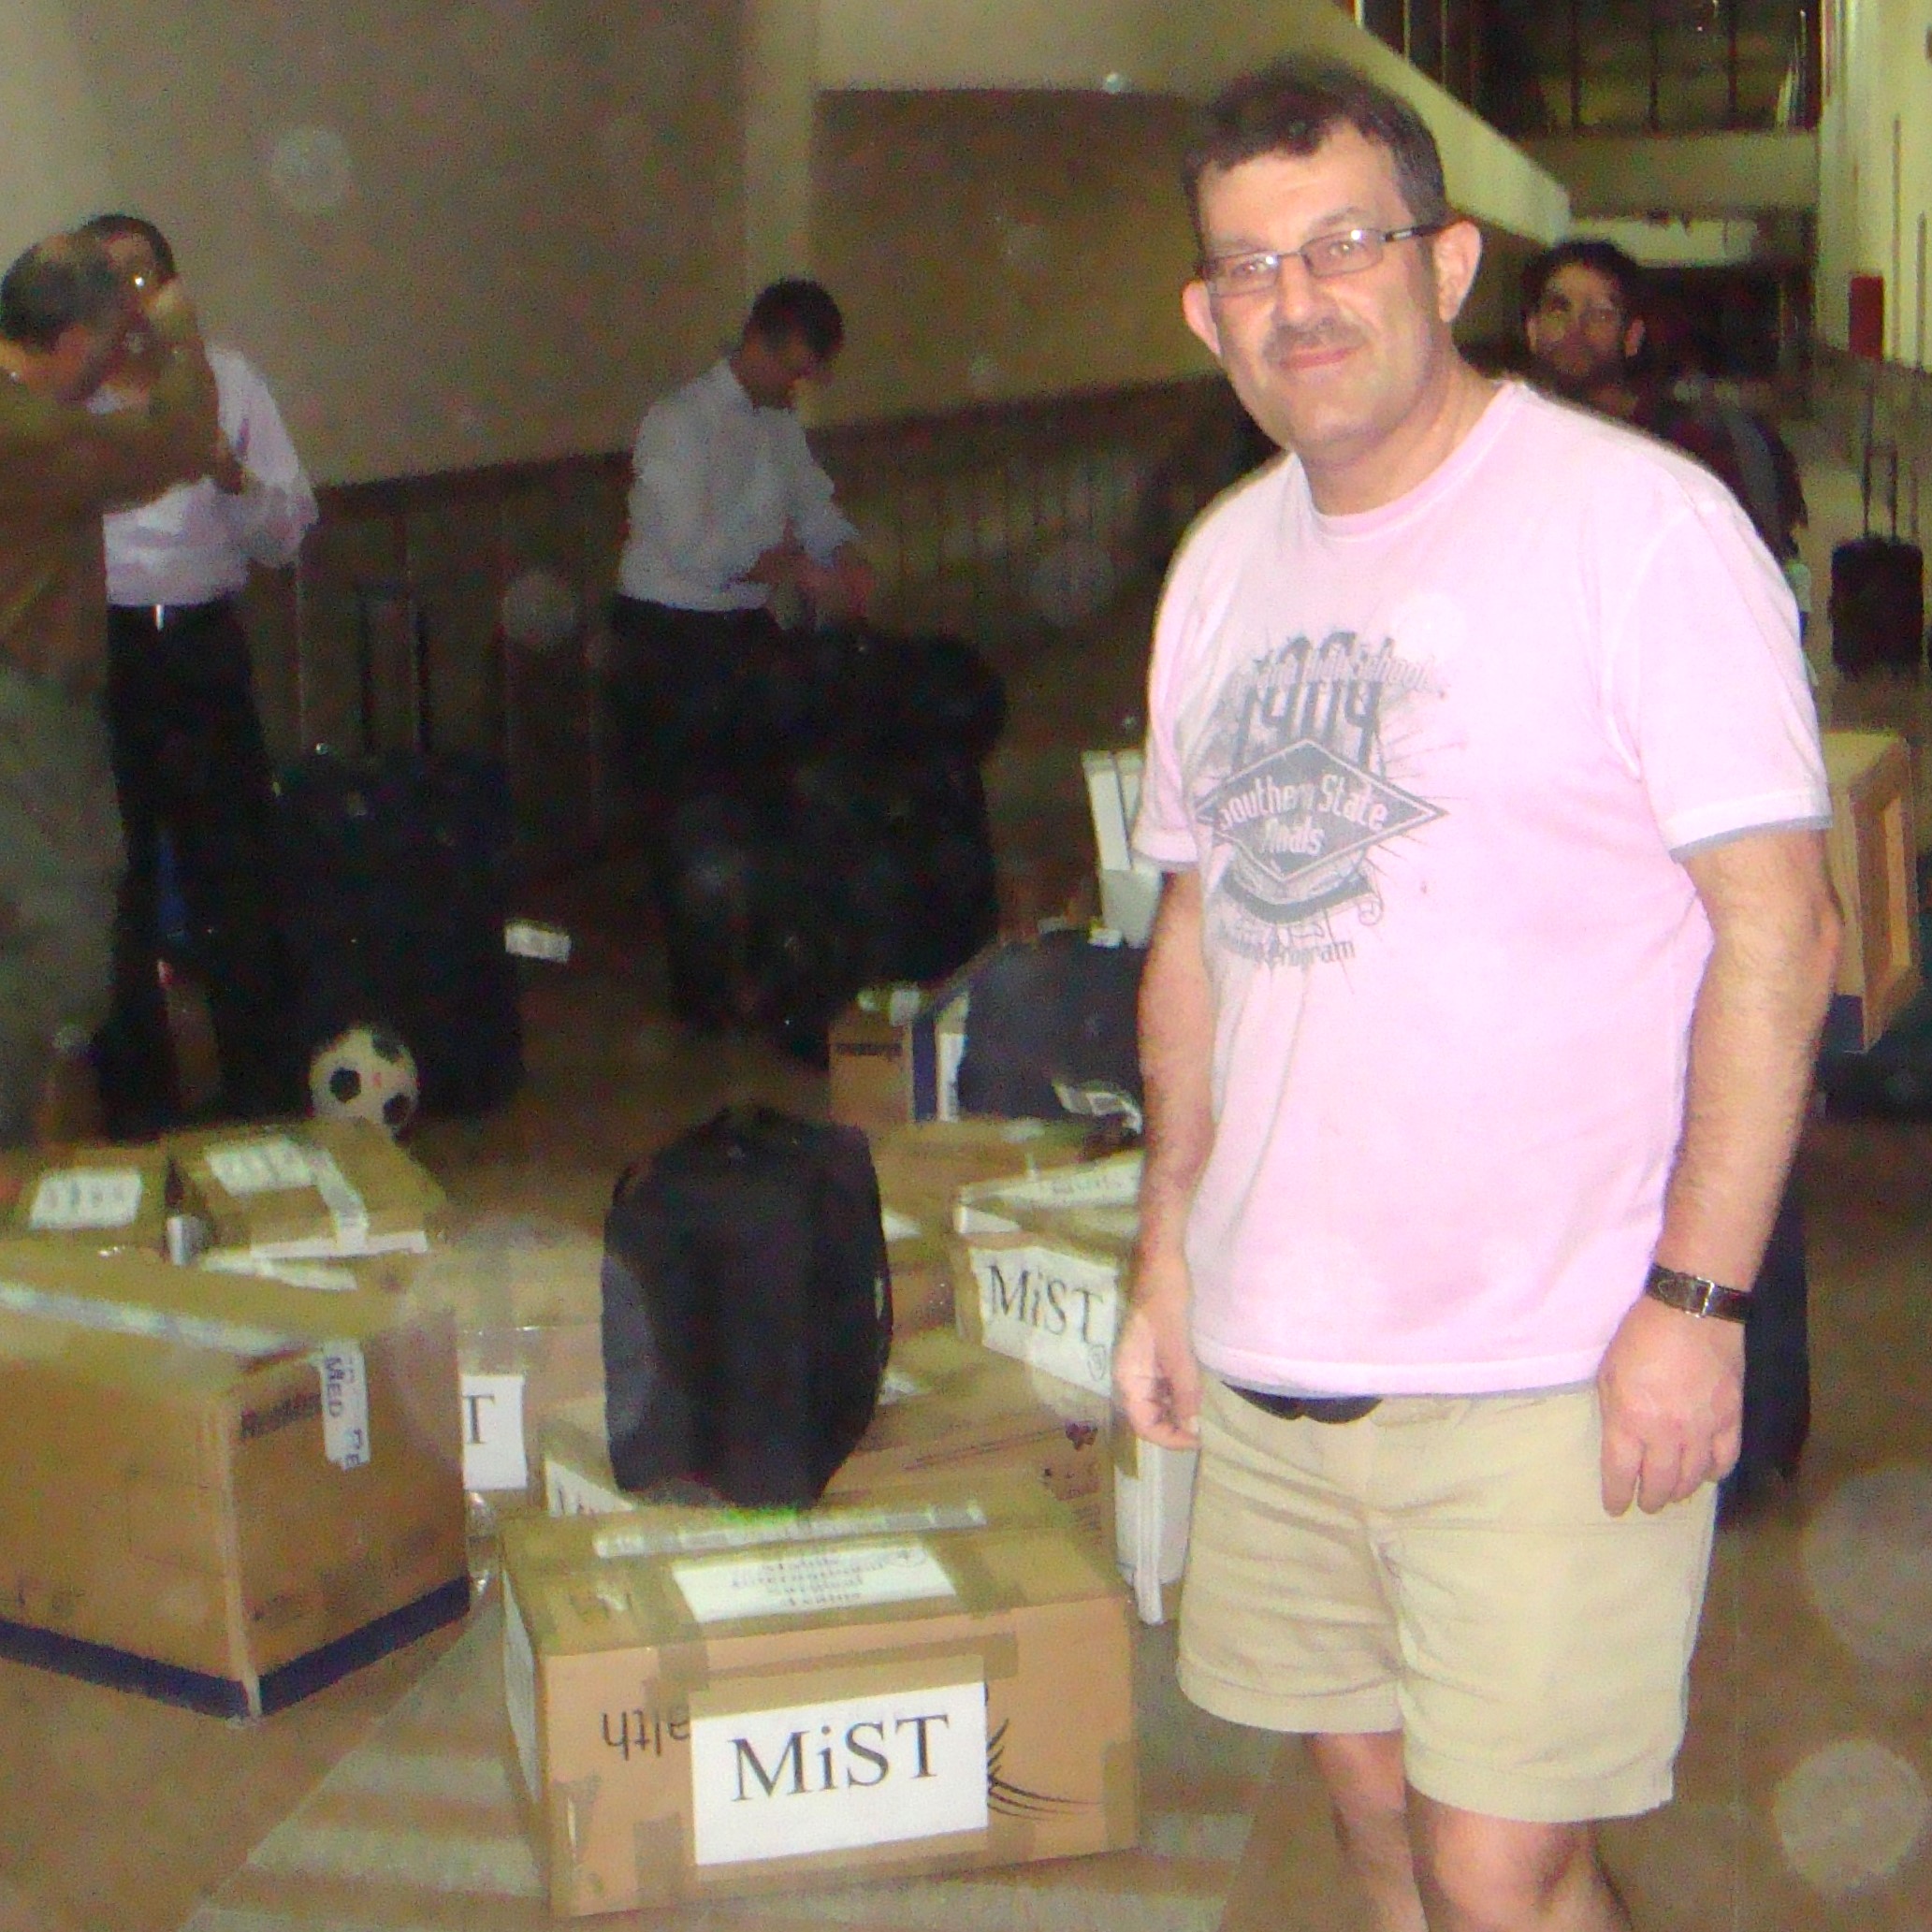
<point>365,1073</point>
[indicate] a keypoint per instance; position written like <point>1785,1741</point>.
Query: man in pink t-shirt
<point>1477,1028</point>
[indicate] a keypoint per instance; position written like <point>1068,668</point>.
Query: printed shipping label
<point>344,1404</point>
<point>494,1455</point>
<point>803,1582</point>
<point>1056,1311</point>
<point>261,1166</point>
<point>86,1197</point>
<point>865,1770</point>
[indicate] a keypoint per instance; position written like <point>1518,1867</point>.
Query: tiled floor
<point>1804,1783</point>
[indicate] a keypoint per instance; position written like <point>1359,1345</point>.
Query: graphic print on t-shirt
<point>1298,796</point>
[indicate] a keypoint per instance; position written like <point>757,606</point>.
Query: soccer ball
<point>365,1073</point>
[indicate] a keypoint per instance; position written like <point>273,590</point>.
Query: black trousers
<point>189,763</point>
<point>698,698</point>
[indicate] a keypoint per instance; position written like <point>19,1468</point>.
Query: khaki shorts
<point>1445,1568</point>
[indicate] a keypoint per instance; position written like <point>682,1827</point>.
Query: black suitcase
<point>1776,1364</point>
<point>1049,1020</point>
<point>907,696</point>
<point>781,896</point>
<point>397,869</point>
<point>1878,592</point>
<point>748,1308</point>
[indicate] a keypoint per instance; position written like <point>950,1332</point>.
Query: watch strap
<point>1694,1295</point>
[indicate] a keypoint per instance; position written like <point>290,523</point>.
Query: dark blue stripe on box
<point>222,1697</point>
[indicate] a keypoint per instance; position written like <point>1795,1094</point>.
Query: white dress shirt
<point>716,482</point>
<point>195,542</point>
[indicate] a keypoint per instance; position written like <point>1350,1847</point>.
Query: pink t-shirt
<point>1432,763</point>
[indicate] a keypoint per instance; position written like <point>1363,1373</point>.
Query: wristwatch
<point>1696,1296</point>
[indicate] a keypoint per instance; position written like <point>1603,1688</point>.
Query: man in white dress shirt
<point>189,763</point>
<point>727,507</point>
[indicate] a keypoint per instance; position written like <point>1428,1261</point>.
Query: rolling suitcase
<point>1878,595</point>
<point>396,867</point>
<point>1051,1021</point>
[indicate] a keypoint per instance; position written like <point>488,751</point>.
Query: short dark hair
<point>1602,257</point>
<point>117,227</point>
<point>798,308</point>
<point>1292,106</point>
<point>56,284</point>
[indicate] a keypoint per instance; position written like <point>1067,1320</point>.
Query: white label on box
<point>86,1197</point>
<point>494,1457</point>
<point>520,1688</point>
<point>344,1404</point>
<point>1056,1311</point>
<point>805,1582</point>
<point>569,1491</point>
<point>752,1529</point>
<point>814,1778</point>
<point>261,1166</point>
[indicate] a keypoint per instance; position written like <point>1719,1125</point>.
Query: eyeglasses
<point>1347,252</point>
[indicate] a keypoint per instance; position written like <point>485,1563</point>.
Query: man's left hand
<point>1671,1389</point>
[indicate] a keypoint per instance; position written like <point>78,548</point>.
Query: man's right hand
<point>781,567</point>
<point>1155,1372</point>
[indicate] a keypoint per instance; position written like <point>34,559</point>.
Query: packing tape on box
<point>755,1529</point>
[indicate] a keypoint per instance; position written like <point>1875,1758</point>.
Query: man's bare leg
<point>1369,1799</point>
<point>1480,1874</point>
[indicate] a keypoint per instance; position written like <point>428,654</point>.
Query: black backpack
<point>747,1308</point>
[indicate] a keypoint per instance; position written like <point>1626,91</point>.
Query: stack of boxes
<point>226,1484</point>
<point>223,1485</point>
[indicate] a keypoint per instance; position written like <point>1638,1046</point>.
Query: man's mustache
<point>1288,340</point>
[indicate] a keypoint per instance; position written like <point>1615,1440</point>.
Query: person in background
<point>730,516</point>
<point>1476,1029</point>
<point>191,766</point>
<point>65,315</point>
<point>1586,323</point>
<point>1593,341</point>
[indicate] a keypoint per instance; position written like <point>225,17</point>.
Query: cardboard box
<point>710,1704</point>
<point>921,1167</point>
<point>1047,1260</point>
<point>101,1200</point>
<point>1872,851</point>
<point>516,1270</point>
<point>512,1380</point>
<point>948,1411</point>
<point>1153,1511</point>
<point>895,1053</point>
<point>309,1190</point>
<point>219,1491</point>
<point>1129,887</point>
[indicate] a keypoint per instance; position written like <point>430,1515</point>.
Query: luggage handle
<point>375,596</point>
<point>1874,454</point>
